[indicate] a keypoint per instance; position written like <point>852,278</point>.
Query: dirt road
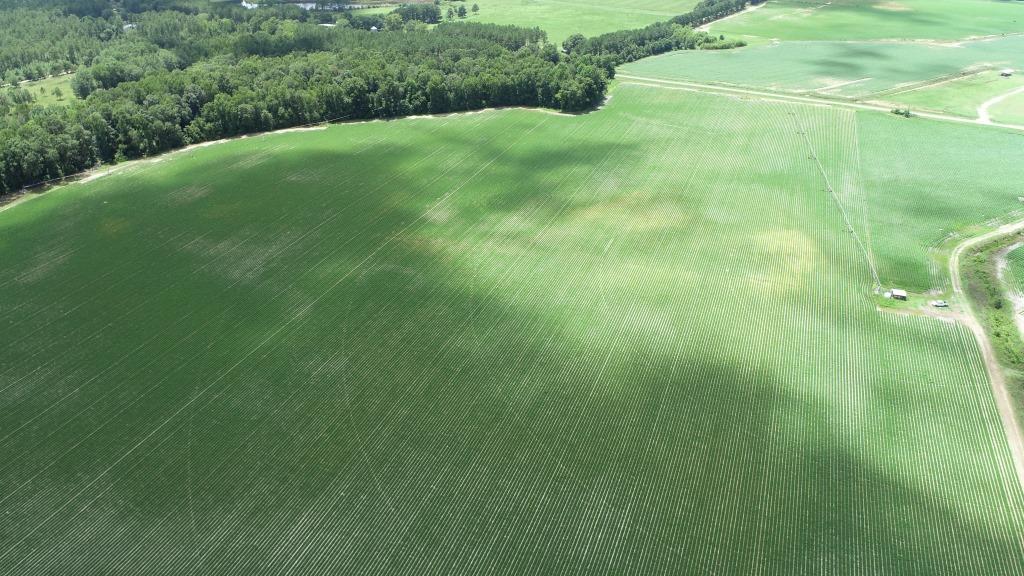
<point>995,373</point>
<point>983,116</point>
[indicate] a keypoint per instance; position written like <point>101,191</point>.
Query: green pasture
<point>562,18</point>
<point>876,20</point>
<point>858,70</point>
<point>636,341</point>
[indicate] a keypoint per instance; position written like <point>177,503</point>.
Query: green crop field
<point>876,20</point>
<point>562,18</point>
<point>920,190</point>
<point>636,341</point>
<point>862,70</point>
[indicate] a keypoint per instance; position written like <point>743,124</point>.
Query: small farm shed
<point>1006,72</point>
<point>899,294</point>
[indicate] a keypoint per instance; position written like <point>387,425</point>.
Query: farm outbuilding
<point>898,294</point>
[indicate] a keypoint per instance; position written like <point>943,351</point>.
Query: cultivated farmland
<point>941,20</point>
<point>921,192</point>
<point>638,341</point>
<point>857,70</point>
<point>963,96</point>
<point>562,18</point>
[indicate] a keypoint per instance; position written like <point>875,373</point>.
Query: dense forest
<point>154,75</point>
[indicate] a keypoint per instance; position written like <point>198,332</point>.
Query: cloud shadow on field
<point>389,408</point>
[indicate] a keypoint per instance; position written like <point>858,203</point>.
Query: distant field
<point>877,19</point>
<point>638,341</point>
<point>845,69</point>
<point>374,10</point>
<point>963,96</point>
<point>562,18</point>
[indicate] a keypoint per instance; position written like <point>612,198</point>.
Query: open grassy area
<point>43,90</point>
<point>640,340</point>
<point>876,20</point>
<point>562,18</point>
<point>862,70</point>
<point>373,10</point>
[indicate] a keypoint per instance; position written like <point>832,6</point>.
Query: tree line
<point>185,75</point>
<point>355,75</point>
<point>676,34</point>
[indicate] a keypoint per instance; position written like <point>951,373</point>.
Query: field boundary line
<point>831,87</point>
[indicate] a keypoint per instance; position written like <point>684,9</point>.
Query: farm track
<point>780,97</point>
<point>999,390</point>
<point>983,115</point>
